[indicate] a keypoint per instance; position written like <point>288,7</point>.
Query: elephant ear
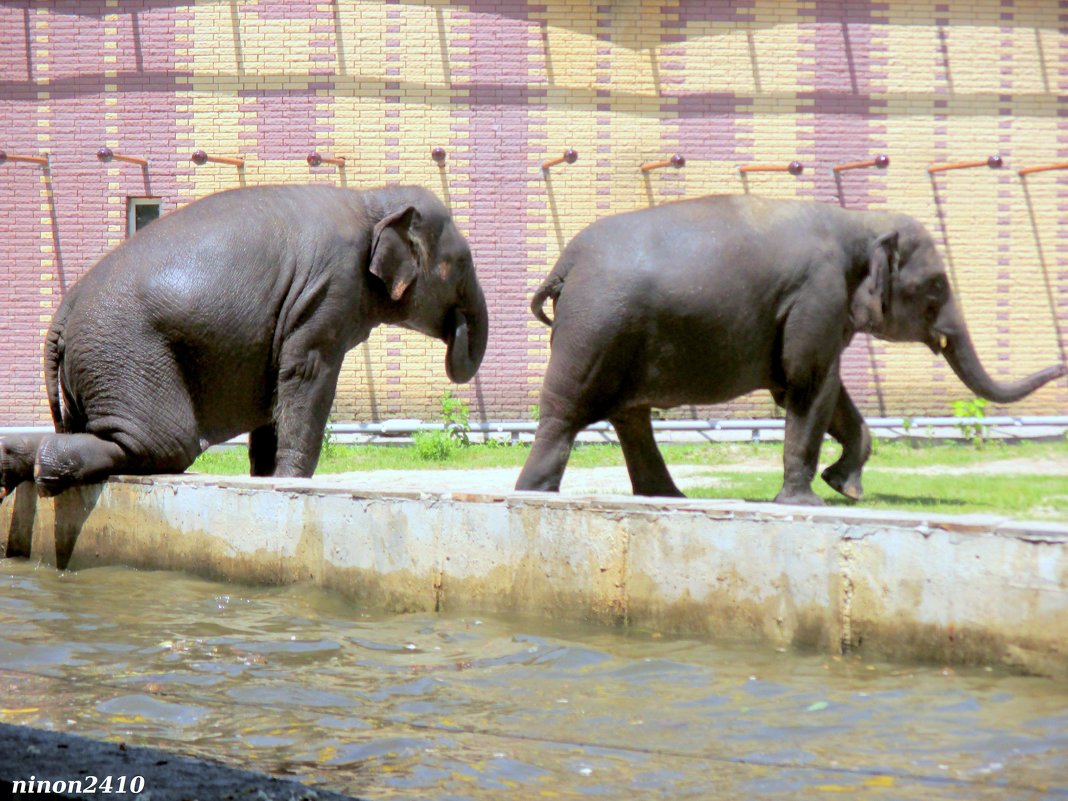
<point>871,301</point>
<point>396,250</point>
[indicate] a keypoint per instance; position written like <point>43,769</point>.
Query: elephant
<point>702,300</point>
<point>232,315</point>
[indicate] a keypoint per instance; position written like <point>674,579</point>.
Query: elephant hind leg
<point>645,464</point>
<point>548,457</point>
<point>64,460</point>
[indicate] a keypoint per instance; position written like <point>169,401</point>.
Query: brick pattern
<point>503,85</point>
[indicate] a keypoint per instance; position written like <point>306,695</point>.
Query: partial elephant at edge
<point>232,315</point>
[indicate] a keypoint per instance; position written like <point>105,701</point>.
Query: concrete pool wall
<point>972,589</point>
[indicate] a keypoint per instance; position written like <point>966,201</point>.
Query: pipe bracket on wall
<point>881,162</point>
<point>678,161</point>
<point>570,156</point>
<point>794,168</point>
<point>106,154</point>
<point>199,158</point>
<point>993,162</point>
<point>317,160</point>
<point>41,161</point>
<point>1043,168</point>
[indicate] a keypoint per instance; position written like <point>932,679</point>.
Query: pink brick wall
<point>504,85</point>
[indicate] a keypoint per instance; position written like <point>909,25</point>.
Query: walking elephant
<point>233,314</point>
<point>703,300</point>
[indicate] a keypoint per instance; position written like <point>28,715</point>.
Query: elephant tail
<point>550,288</point>
<point>54,347</point>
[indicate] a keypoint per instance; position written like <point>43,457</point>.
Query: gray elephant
<point>701,301</point>
<point>233,314</point>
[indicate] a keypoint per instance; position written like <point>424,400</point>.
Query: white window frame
<point>132,204</point>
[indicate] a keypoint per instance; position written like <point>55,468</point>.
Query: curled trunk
<point>960,353</point>
<point>467,336</point>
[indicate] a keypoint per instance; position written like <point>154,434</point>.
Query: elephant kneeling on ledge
<point>701,301</point>
<point>233,315</point>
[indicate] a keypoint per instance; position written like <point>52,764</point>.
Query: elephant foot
<point>673,492</point>
<point>17,455</point>
<point>64,460</point>
<point>656,489</point>
<point>848,484</point>
<point>799,497</point>
<point>46,485</point>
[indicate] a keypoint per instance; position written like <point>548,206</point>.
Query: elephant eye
<point>936,288</point>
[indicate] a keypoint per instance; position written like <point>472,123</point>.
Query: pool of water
<point>298,682</point>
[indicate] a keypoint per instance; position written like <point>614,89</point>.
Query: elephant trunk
<point>466,339</point>
<point>960,353</point>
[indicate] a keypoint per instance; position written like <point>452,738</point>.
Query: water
<point>298,682</point>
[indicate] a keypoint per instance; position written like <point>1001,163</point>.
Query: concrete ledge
<point>972,589</point>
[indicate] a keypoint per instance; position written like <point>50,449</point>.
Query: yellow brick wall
<point>504,87</point>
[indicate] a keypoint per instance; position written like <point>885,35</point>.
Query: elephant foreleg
<point>306,387</point>
<point>808,414</point>
<point>848,427</point>
<point>645,464</point>
<point>263,450</point>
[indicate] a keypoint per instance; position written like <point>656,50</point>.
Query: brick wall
<point>504,84</point>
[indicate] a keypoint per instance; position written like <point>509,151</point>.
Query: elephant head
<point>906,297</point>
<point>426,267</point>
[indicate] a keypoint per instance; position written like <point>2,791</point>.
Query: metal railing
<point>515,429</point>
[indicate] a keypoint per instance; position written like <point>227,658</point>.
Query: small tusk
<point>943,342</point>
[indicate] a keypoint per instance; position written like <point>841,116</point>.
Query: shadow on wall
<point>620,25</point>
<point>1047,273</point>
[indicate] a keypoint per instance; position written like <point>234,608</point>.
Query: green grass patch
<point>1032,497</point>
<point>888,482</point>
<point>344,458</point>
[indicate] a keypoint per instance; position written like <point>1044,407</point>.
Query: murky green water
<point>298,682</point>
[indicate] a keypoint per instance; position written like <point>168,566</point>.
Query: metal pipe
<point>1044,168</point>
<point>315,160</point>
<point>882,162</point>
<point>678,161</point>
<point>42,161</point>
<point>994,162</point>
<point>106,154</point>
<point>505,426</point>
<point>401,427</point>
<point>794,168</point>
<point>570,157</point>
<point>199,157</point>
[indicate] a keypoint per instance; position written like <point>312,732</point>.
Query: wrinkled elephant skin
<point>701,301</point>
<point>233,315</point>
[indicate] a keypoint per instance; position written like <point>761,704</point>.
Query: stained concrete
<point>971,589</point>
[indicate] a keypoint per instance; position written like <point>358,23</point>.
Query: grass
<point>1041,497</point>
<point>897,476</point>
